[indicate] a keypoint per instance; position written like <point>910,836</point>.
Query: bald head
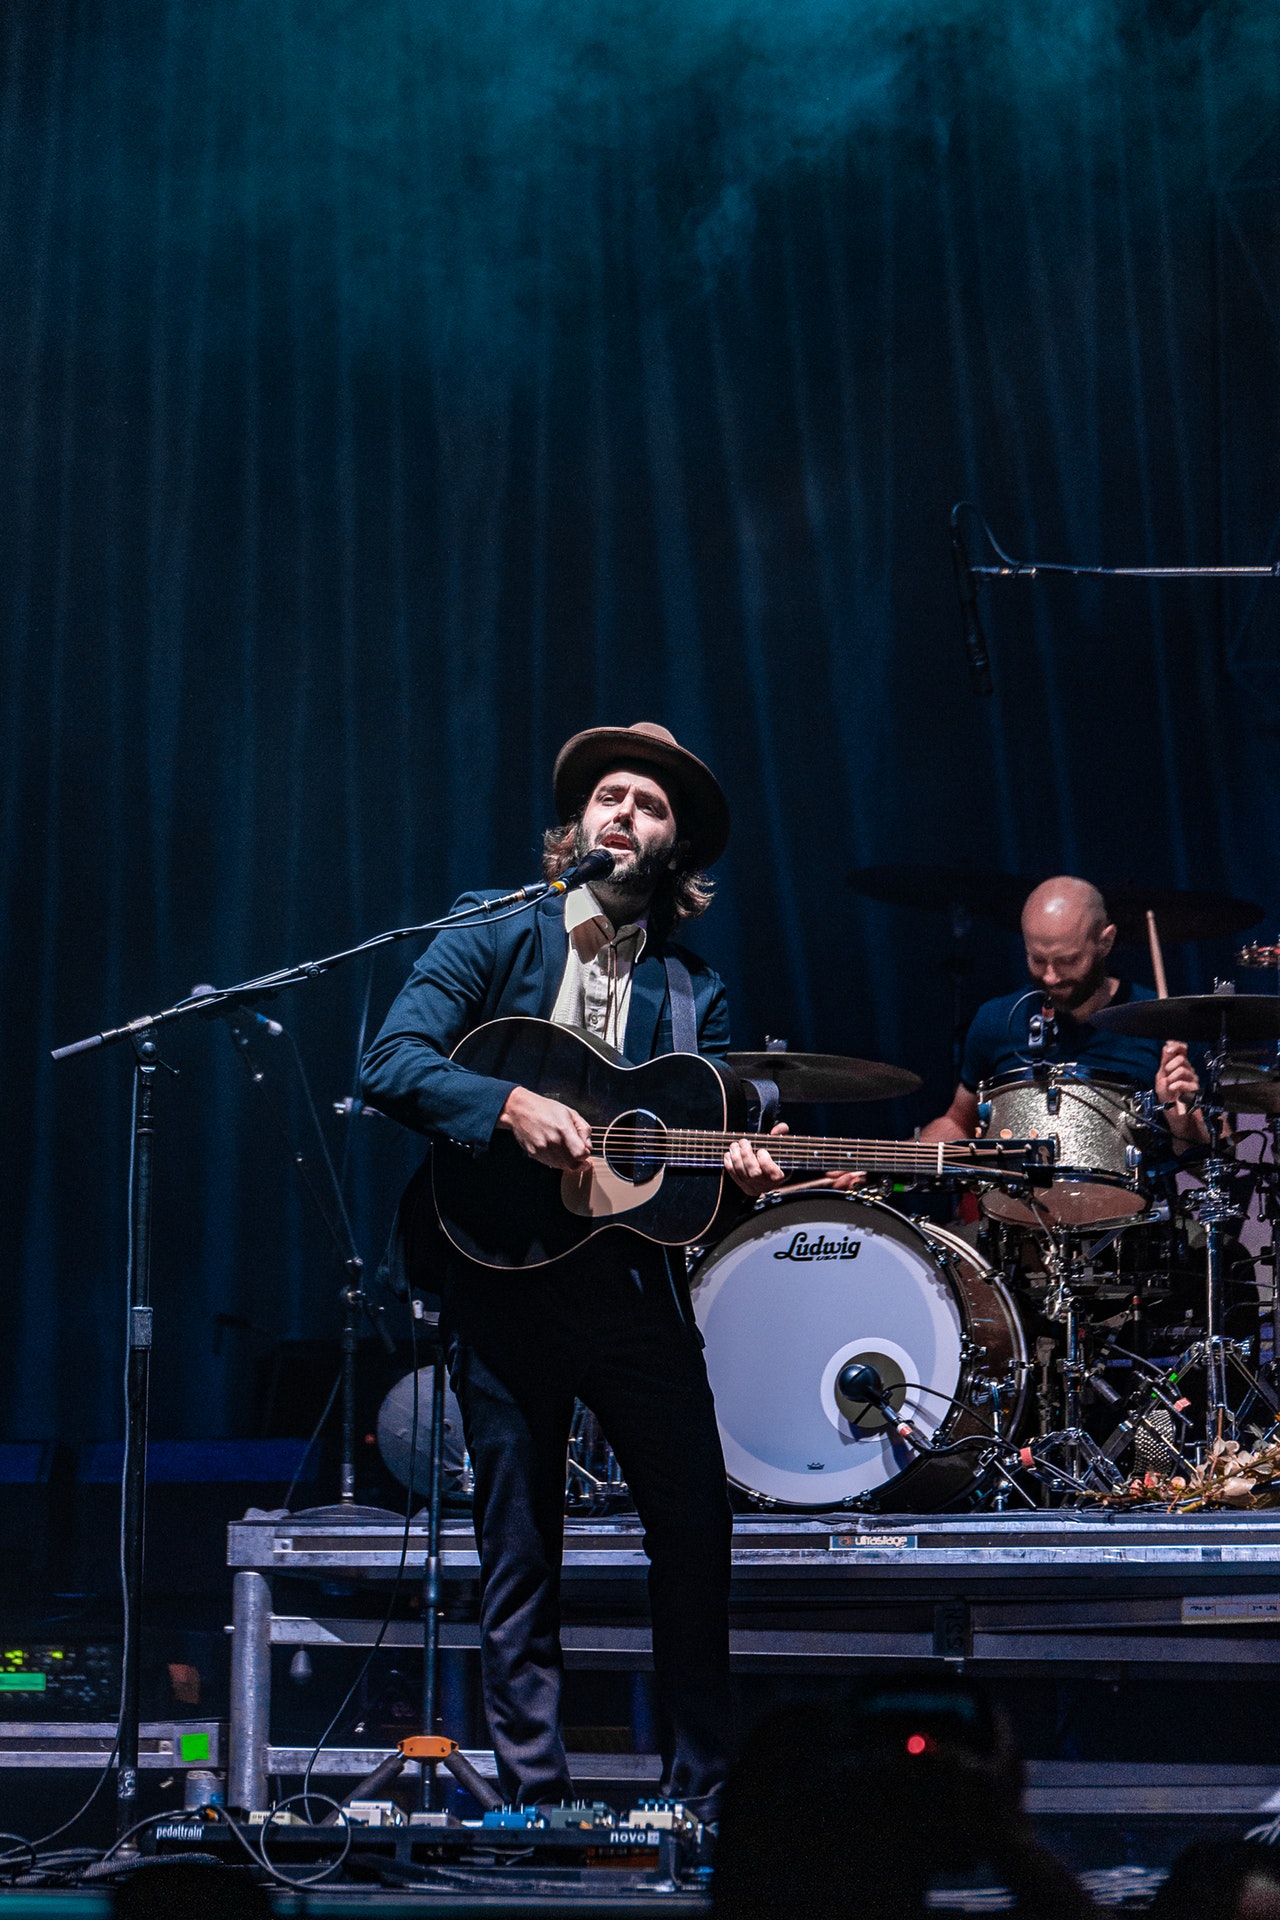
<point>1063,905</point>
<point>1067,938</point>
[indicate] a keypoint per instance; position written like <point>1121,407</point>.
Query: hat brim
<point>701,808</point>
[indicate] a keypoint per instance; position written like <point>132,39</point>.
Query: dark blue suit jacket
<point>472,974</point>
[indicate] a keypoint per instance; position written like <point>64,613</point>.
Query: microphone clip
<point>1042,1033</point>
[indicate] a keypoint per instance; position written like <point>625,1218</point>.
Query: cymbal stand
<point>1215,1208</point>
<point>958,966</point>
<point>1269,1186</point>
<point>1085,1469</point>
<point>1064,1267</point>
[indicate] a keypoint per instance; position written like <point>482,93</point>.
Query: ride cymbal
<point>1243,1017</point>
<point>1180,915</point>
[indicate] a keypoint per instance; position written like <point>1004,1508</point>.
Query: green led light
<point>23,1682</point>
<point>193,1746</point>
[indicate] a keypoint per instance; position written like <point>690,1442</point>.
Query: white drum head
<point>794,1294</point>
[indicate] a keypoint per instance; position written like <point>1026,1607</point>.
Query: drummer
<point>1068,939</point>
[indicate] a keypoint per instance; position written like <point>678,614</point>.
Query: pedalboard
<point>656,1841</point>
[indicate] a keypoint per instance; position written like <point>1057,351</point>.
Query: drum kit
<point>869,1351</point>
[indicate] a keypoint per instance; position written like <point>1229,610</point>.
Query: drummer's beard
<point>1067,998</point>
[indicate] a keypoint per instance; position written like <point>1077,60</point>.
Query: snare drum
<point>811,1282</point>
<point>1095,1120</point>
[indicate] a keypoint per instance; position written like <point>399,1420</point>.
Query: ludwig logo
<point>819,1248</point>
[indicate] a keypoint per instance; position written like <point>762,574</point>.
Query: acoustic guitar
<point>659,1134</point>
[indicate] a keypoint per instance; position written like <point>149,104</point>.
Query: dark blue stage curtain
<point>389,388</point>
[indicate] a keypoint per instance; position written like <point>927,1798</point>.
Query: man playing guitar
<point>610,1322</point>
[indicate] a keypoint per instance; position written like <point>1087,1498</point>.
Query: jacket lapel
<point>553,943</point>
<point>648,993</point>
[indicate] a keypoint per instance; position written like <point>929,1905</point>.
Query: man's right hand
<point>549,1132</point>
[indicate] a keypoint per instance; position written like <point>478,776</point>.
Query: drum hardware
<point>593,1478</point>
<point>1065,1268</point>
<point>1083,1471</point>
<point>1222,1019</point>
<point>1152,1429</point>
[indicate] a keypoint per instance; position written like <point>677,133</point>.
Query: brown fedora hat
<point>701,808</point>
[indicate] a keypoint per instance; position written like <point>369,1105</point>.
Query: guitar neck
<point>689,1148</point>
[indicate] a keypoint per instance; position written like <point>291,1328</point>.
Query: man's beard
<point>1082,990</point>
<point>635,875</point>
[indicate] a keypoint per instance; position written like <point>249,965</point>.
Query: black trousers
<point>610,1326</point>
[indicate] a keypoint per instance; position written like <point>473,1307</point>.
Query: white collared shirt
<point>595,990</point>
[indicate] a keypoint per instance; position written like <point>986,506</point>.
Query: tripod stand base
<point>346,1513</point>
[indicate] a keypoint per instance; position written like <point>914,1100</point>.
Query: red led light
<point>917,1743</point>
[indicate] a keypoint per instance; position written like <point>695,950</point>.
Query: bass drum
<point>812,1281</point>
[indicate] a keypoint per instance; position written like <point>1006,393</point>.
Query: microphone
<point>861,1381</point>
<point>975,644</point>
<point>236,1015</point>
<point>596,865</point>
<point>858,1381</point>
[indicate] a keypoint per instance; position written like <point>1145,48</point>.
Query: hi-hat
<point>1246,1087</point>
<point>999,897</point>
<point>1243,1017</point>
<point>826,1076</point>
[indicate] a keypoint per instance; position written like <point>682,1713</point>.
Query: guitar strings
<point>696,1147</point>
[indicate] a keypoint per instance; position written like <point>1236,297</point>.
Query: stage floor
<point>1004,1593</point>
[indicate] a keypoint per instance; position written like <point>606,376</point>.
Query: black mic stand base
<point>345,1513</point>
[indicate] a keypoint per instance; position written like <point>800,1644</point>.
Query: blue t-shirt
<point>997,1040</point>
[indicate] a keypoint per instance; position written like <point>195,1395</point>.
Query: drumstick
<point>1157,968</point>
<point>1157,957</point>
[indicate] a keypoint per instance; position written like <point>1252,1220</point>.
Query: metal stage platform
<point>1044,1594</point>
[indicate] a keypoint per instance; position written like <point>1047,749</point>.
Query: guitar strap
<point>684,1014</point>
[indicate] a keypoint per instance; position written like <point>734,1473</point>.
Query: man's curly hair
<point>680,895</point>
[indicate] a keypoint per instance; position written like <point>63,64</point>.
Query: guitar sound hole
<point>633,1146</point>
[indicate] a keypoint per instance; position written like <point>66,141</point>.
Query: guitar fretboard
<point>688,1148</point>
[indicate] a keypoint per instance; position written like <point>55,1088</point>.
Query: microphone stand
<point>967,577</point>
<point>354,1297</point>
<point>140,1034</point>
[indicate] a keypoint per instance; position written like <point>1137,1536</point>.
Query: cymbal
<point>1246,1017</point>
<point>1180,915</point>
<point>999,897</point>
<point>826,1076</point>
<point>992,896</point>
<point>1245,1088</point>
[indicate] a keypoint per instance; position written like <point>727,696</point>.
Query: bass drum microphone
<point>859,1380</point>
